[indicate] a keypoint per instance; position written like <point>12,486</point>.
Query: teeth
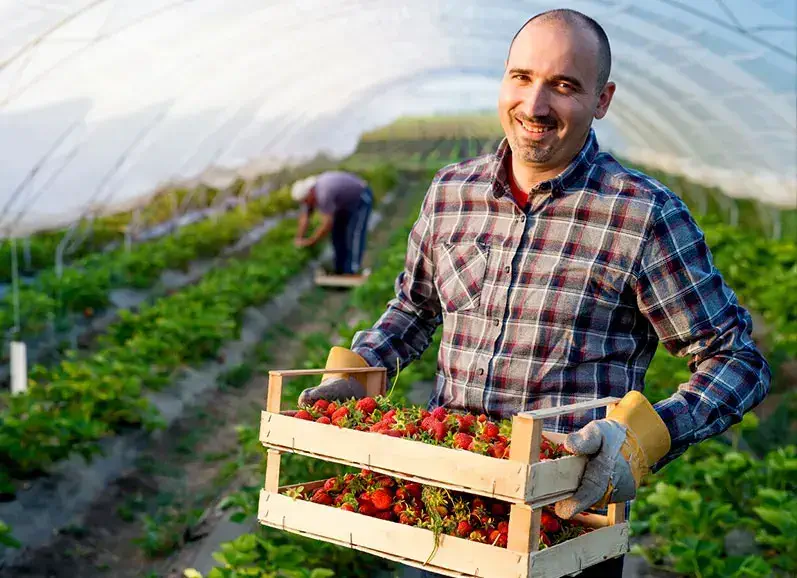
<point>535,129</point>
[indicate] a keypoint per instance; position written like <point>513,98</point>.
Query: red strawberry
<point>331,409</point>
<point>394,433</point>
<point>478,536</point>
<point>414,489</point>
<point>477,503</point>
<point>439,413</point>
<point>498,450</point>
<point>411,429</point>
<point>544,539</point>
<point>502,439</point>
<point>322,497</point>
<point>399,509</point>
<point>347,507</point>
<point>367,508</point>
<point>438,430</point>
<point>462,440</point>
<point>498,539</point>
<point>321,405</point>
<point>464,529</point>
<point>490,431</point>
<point>549,523</point>
<point>339,415</point>
<point>482,418</point>
<point>385,482</point>
<point>466,422</point>
<point>388,515</point>
<point>303,414</point>
<point>424,414</point>
<point>379,427</point>
<point>366,472</point>
<point>382,499</point>
<point>333,485</point>
<point>366,405</point>
<point>402,493</point>
<point>390,416</point>
<point>426,424</point>
<point>406,518</point>
<point>503,526</point>
<point>323,419</point>
<point>498,509</point>
<point>347,479</point>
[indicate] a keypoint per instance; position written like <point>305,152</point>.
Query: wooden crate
<point>324,279</point>
<point>457,557</point>
<point>522,479</point>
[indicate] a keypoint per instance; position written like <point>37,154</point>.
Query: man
<point>555,272</point>
<point>344,201</point>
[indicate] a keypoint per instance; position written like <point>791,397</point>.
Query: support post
<point>524,523</point>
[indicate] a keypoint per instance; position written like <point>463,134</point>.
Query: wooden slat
<point>454,557</point>
<point>272,471</point>
<point>524,524</point>
<point>274,394</point>
<point>302,372</point>
<point>376,383</point>
<point>616,513</point>
<point>579,553</point>
<point>567,409</point>
<point>454,469</point>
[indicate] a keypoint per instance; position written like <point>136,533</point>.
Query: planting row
<point>68,408</point>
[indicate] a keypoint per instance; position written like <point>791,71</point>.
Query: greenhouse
<point>207,208</point>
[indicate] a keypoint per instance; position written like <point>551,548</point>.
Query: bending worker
<point>344,201</point>
<point>555,272</point>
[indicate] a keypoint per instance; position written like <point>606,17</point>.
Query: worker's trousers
<point>349,230</point>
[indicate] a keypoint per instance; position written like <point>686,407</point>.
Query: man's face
<point>549,94</point>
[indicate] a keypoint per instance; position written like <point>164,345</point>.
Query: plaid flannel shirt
<point>567,299</point>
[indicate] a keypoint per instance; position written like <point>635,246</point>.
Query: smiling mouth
<point>535,129</point>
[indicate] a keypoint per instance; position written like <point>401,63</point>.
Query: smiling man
<point>555,273</point>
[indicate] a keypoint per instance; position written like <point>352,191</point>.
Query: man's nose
<point>536,101</point>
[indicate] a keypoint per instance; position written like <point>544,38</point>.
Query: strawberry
<point>385,482</point>
<point>426,424</point>
<point>394,433</point>
<point>464,529</point>
<point>347,479</point>
<point>340,415</point>
<point>321,405</point>
<point>399,508</point>
<point>414,489</point>
<point>462,440</point>
<point>322,497</point>
<point>331,409</point>
<point>498,509</point>
<point>323,419</point>
<point>304,414</point>
<point>380,427</point>
<point>367,508</point>
<point>388,515</point>
<point>407,519</point>
<point>497,538</point>
<point>402,494</point>
<point>366,405</point>
<point>347,507</point>
<point>489,431</point>
<point>544,540</point>
<point>382,499</point>
<point>366,472</point>
<point>478,503</point>
<point>333,485</point>
<point>390,416</point>
<point>503,526</point>
<point>439,413</point>
<point>478,536</point>
<point>498,450</point>
<point>411,429</point>
<point>482,418</point>
<point>466,422</point>
<point>549,523</point>
<point>424,414</point>
<point>438,430</point>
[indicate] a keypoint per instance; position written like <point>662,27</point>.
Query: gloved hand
<point>338,386</point>
<point>622,448</point>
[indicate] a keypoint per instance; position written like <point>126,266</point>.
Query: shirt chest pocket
<point>461,268</point>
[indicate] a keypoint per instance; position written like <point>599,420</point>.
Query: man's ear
<point>604,100</point>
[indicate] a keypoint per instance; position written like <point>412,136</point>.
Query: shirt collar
<point>557,185</point>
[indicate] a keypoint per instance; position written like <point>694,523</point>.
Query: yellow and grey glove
<point>338,386</point>
<point>621,448</point>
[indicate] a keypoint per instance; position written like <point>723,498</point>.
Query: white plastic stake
<point>19,368</point>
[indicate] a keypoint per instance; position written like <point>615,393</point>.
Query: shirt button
<point>507,269</point>
<point>481,371</point>
<point>496,322</point>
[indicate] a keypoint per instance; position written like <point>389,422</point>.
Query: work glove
<point>338,386</point>
<point>621,448</point>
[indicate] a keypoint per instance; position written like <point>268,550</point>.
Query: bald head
<point>576,20</point>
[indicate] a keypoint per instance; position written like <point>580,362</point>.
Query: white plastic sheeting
<point>102,101</point>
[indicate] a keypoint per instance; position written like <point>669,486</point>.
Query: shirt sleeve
<point>405,329</point>
<point>695,314</point>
